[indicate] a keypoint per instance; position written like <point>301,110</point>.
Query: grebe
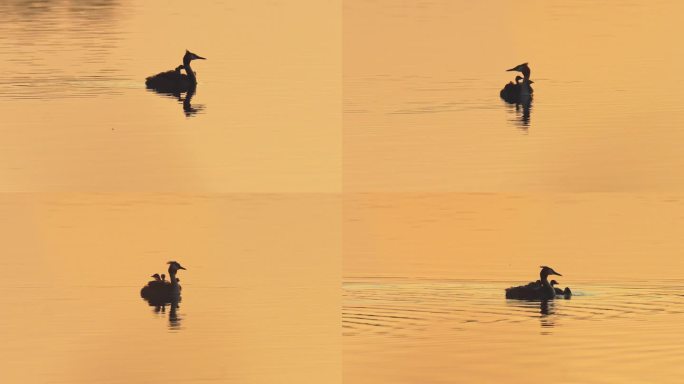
<point>535,291</point>
<point>520,91</point>
<point>174,81</point>
<point>566,293</point>
<point>160,291</point>
<point>157,277</point>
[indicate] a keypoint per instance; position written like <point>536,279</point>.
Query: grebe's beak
<point>517,68</point>
<point>200,57</point>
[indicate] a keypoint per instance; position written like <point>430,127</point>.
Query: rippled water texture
<point>425,276</point>
<point>407,331</point>
<point>454,195</point>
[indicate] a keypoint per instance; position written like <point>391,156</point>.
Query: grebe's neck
<point>189,71</point>
<point>544,279</point>
<point>526,72</point>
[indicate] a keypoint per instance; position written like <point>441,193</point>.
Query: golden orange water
<point>78,117</point>
<point>103,182</point>
<point>73,265</point>
<point>351,197</point>
<point>422,112</point>
<point>452,195</point>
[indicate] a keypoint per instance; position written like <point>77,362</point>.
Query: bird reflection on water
<point>186,100</point>
<point>544,310</point>
<point>521,113</point>
<point>174,319</point>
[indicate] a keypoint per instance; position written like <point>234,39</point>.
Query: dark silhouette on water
<point>538,290</point>
<point>188,109</point>
<point>174,81</point>
<point>520,93</point>
<point>522,68</point>
<point>160,292</point>
<point>174,319</point>
<point>517,92</point>
<point>566,293</point>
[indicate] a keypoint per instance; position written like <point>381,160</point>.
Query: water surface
<point>260,299</point>
<point>445,331</point>
<point>422,107</point>
<point>77,116</point>
<point>425,273</point>
<point>104,181</point>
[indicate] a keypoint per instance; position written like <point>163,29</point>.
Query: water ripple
<point>392,308</point>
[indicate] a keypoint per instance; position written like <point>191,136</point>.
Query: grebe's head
<point>189,56</point>
<point>519,68</point>
<point>174,267</point>
<point>545,271</point>
<point>518,78</point>
<point>553,282</point>
<point>156,276</point>
<point>522,68</point>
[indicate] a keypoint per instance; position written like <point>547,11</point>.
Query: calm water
<point>252,311</point>
<point>453,195</point>
<point>104,181</point>
<point>77,116</point>
<point>448,195</point>
<point>423,293</point>
<point>422,113</point>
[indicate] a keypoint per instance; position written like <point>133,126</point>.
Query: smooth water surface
<point>104,181</point>
<point>421,96</point>
<point>77,116</point>
<point>260,299</point>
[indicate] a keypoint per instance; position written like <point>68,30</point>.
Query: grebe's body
<point>174,81</point>
<point>159,291</point>
<point>517,92</point>
<point>520,91</point>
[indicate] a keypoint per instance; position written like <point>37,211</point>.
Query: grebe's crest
<point>548,270</point>
<point>519,68</point>
<point>192,56</point>
<point>174,265</point>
